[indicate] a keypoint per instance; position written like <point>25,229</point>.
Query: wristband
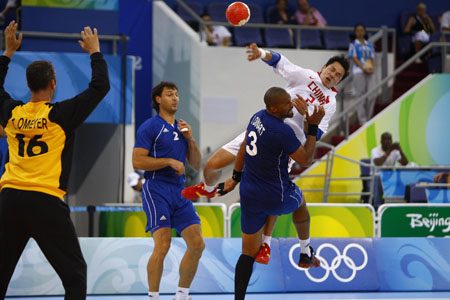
<point>312,129</point>
<point>236,176</point>
<point>262,53</point>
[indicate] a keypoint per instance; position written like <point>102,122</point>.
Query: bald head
<point>278,103</point>
<point>273,96</point>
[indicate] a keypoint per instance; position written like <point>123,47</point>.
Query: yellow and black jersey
<point>40,134</point>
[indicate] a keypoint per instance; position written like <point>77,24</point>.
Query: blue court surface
<point>286,296</point>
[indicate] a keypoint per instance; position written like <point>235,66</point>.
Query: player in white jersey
<point>316,88</point>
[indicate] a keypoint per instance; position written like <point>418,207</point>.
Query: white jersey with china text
<point>307,84</point>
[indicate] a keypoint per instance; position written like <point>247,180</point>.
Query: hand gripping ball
<point>238,13</point>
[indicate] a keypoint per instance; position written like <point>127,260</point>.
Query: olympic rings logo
<point>335,263</point>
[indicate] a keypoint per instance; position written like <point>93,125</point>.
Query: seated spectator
<point>442,177</point>
<point>10,5</point>
<point>283,14</point>
<point>387,154</point>
<point>445,21</point>
<point>420,26</point>
<point>362,52</point>
<point>215,35</point>
<point>307,15</point>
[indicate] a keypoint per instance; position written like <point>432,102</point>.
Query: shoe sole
<point>306,266</point>
<point>262,261</point>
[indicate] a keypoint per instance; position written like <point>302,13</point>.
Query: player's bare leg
<point>162,238</point>
<point>244,266</point>
<point>192,235</point>
<point>263,256</point>
<point>213,168</point>
<point>301,220</point>
<point>211,173</point>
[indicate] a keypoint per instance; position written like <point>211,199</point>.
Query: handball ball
<point>238,13</point>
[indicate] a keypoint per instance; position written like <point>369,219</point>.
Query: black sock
<point>243,272</point>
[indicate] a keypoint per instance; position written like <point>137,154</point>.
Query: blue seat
<point>336,40</point>
<point>278,38</point>
<point>417,194</point>
<point>197,7</point>
<point>217,11</point>
<point>310,39</point>
<point>256,13</point>
<point>244,36</point>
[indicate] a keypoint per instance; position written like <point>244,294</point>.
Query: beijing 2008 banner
<point>415,220</point>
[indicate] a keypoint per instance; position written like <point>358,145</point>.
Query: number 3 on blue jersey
<point>251,149</point>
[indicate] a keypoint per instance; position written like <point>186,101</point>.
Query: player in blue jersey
<point>265,187</point>
<point>163,144</point>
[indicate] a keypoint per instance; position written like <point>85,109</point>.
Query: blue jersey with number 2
<point>162,140</point>
<point>269,143</point>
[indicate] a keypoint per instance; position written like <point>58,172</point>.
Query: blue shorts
<point>165,207</point>
<point>255,210</point>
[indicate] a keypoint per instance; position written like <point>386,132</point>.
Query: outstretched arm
<point>254,52</point>
<point>12,44</point>
<point>72,112</point>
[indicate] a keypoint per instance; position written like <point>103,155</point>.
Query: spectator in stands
<point>362,52</point>
<point>307,15</point>
<point>445,21</point>
<point>283,14</point>
<point>420,26</point>
<point>10,5</point>
<point>387,154</point>
<point>443,177</point>
<point>215,35</point>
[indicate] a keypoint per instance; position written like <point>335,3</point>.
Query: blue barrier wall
<point>118,266</point>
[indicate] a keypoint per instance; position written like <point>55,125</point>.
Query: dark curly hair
<point>157,91</point>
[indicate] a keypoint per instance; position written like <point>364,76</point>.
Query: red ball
<point>238,13</point>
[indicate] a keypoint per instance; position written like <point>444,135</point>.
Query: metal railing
<point>329,162</point>
<point>345,114</point>
<point>114,39</point>
<point>329,159</point>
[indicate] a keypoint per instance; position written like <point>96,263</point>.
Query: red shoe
<point>263,256</point>
<point>194,191</point>
<point>307,262</point>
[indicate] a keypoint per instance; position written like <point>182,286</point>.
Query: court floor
<point>286,296</point>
